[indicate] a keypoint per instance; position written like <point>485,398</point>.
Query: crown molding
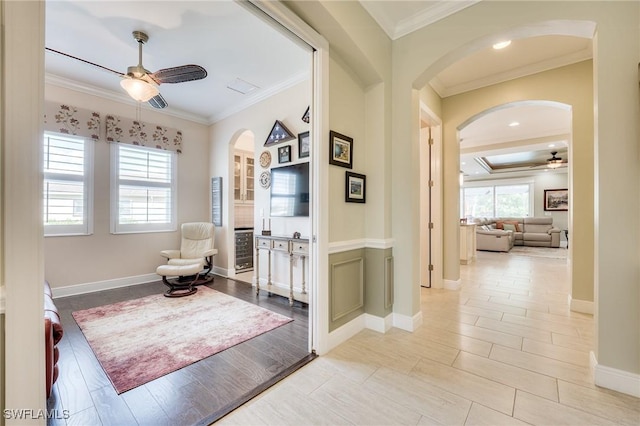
<point>512,74</point>
<point>428,16</point>
<point>440,10</point>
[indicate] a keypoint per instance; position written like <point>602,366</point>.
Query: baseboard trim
<point>614,379</point>
<point>407,323</point>
<point>74,290</point>
<point>379,324</point>
<point>452,285</point>
<point>345,332</point>
<point>581,306</point>
<point>223,272</point>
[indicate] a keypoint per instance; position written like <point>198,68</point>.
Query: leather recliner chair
<point>52,334</point>
<point>196,252</point>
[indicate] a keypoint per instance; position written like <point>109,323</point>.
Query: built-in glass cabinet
<point>243,177</point>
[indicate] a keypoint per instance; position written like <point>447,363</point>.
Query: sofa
<point>501,234</point>
<point>52,335</point>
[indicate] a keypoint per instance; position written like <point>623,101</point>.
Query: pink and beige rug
<point>137,341</point>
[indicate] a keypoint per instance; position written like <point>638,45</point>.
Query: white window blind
<point>67,186</point>
<point>143,189</point>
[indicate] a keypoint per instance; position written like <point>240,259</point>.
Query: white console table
<point>293,247</point>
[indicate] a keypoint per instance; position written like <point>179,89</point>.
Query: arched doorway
<point>459,108</point>
<point>242,175</point>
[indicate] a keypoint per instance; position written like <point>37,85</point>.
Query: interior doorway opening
<point>430,198</point>
<point>243,178</point>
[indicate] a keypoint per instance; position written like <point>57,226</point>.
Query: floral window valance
<point>134,132</point>
<point>70,120</point>
<point>67,119</point>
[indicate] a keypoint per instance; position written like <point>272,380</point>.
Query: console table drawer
<point>299,248</point>
<point>263,242</point>
<point>282,245</point>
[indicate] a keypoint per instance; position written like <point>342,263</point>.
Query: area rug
<point>137,341</point>
<point>548,252</point>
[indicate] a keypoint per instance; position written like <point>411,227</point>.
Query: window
<point>498,200</point>
<point>67,186</point>
<point>143,195</point>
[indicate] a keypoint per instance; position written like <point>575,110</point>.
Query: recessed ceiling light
<point>514,124</point>
<point>463,163</point>
<point>241,86</point>
<point>551,145</point>
<point>502,44</point>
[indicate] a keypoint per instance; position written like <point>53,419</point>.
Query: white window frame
<point>496,183</point>
<point>86,228</point>
<point>125,228</point>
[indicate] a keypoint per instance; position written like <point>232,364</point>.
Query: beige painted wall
<point>347,116</point>
<point>419,56</point>
<point>287,106</point>
<point>570,85</point>
<point>105,256</point>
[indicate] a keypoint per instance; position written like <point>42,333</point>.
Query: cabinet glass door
<point>237,178</point>
<point>249,179</point>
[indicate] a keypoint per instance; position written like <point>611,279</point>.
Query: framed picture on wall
<point>303,145</point>
<point>340,150</point>
<point>355,188</point>
<point>556,200</point>
<point>284,154</point>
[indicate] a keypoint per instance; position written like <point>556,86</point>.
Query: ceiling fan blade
<point>83,60</point>
<point>158,102</point>
<point>179,74</point>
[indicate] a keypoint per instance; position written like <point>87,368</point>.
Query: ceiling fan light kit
<point>139,89</point>
<point>554,162</point>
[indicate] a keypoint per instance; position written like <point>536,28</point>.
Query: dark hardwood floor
<point>197,394</point>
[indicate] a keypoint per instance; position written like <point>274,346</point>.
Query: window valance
<point>67,119</point>
<point>70,120</point>
<point>135,132</point>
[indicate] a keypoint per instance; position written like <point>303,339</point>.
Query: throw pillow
<point>514,223</point>
<point>486,227</point>
<point>509,227</point>
<point>499,224</point>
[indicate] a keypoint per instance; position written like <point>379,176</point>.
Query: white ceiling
<point>230,42</point>
<point>222,36</point>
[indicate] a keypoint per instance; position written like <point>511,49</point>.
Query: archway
<point>457,112</point>
<point>241,214</point>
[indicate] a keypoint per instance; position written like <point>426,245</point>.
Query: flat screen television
<point>290,190</point>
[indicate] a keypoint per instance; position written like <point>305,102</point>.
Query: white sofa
<point>529,231</point>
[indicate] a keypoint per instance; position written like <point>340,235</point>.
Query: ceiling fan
<point>554,162</point>
<point>140,83</point>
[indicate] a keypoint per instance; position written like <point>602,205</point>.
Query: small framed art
<point>303,144</point>
<point>340,150</point>
<point>355,188</point>
<point>284,154</point>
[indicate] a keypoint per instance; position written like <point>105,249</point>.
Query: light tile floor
<point>503,350</point>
